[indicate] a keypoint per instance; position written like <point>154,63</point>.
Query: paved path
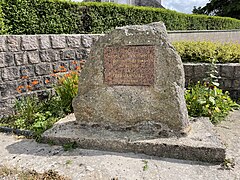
<point>90,164</point>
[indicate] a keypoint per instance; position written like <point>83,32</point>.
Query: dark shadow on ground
<point>31,147</point>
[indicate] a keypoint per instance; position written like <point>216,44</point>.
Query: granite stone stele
<point>133,80</point>
<point>131,99</point>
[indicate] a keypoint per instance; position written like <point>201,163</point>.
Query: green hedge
<point>63,16</point>
<point>208,51</point>
<point>2,29</point>
<point>42,17</point>
<point>105,16</point>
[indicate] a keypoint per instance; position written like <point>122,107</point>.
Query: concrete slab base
<point>202,143</point>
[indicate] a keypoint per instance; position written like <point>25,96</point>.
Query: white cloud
<point>185,6</point>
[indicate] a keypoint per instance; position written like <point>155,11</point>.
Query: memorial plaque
<point>133,81</point>
<point>129,65</point>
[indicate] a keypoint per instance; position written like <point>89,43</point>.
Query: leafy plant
<point>26,107</point>
<point>206,99</point>
<point>34,114</point>
<point>228,164</point>
<point>67,88</point>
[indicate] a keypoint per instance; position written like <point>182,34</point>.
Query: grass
<point>9,173</point>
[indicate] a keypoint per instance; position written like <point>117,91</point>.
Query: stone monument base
<point>201,144</point>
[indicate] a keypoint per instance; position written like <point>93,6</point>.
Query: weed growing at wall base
<point>209,101</point>
<point>206,99</point>
<point>34,114</point>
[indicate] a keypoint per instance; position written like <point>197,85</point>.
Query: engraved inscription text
<point>129,65</point>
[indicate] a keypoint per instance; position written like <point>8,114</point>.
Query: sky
<point>185,6</point>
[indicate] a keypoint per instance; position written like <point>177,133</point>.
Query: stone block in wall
<point>234,94</point>
<point>74,65</point>
<point>237,71</point>
<point>10,73</point>
<point>49,55</point>
<point>26,72</point>
<point>22,87</point>
<point>20,58</point>
<point>49,81</point>
<point>68,55</point>
<point>29,42</point>
<point>35,84</point>
<point>236,84</point>
<point>33,57</point>
<point>74,41</point>
<point>188,69</point>
<point>60,67</point>
<point>227,71</point>
<point>3,44</point>
<point>200,71</point>
<point>8,89</point>
<point>2,59</point>
<point>44,42</point>
<point>1,81</point>
<point>3,88</point>
<point>9,59</point>
<point>6,106</point>
<point>82,54</point>
<point>96,37</point>
<point>87,41</point>
<point>13,43</point>
<point>58,41</point>
<point>225,83</point>
<point>43,69</point>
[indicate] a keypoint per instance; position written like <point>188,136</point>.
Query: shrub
<point>208,51</point>
<point>59,16</point>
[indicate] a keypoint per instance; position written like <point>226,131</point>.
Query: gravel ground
<point>17,152</point>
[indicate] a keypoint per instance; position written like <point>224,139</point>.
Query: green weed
<point>145,167</point>
<point>70,146</point>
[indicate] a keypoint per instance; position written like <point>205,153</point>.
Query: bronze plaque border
<point>129,65</point>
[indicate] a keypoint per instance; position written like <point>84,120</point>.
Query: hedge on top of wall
<point>2,29</point>
<point>208,51</point>
<point>64,16</point>
<point>42,17</point>
<point>105,16</point>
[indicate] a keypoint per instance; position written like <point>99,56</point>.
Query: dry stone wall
<point>29,63</point>
<point>229,76</point>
